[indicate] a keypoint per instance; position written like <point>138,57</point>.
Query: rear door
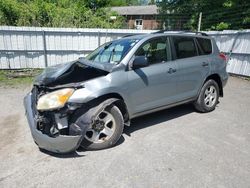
<point>153,86</point>
<point>193,67</point>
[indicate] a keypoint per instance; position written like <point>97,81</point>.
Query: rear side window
<point>205,45</point>
<point>184,47</point>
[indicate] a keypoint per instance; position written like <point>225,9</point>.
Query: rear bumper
<point>58,144</point>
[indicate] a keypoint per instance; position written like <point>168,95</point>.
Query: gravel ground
<point>177,147</point>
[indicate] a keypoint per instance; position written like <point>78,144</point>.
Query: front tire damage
<point>103,124</point>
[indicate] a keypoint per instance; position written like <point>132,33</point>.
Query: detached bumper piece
<point>57,144</point>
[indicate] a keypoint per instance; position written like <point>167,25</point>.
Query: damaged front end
<point>53,129</point>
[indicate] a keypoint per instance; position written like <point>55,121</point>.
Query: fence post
<point>233,44</point>
<point>199,23</point>
<point>45,49</point>
<point>6,53</point>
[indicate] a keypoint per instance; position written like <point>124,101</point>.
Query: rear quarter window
<point>184,47</point>
<point>205,45</point>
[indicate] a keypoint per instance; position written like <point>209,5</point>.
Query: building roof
<point>136,10</point>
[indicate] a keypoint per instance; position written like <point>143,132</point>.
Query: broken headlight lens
<point>55,99</point>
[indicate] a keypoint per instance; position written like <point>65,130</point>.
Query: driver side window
<point>156,50</point>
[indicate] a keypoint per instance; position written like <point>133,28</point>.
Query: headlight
<point>55,99</point>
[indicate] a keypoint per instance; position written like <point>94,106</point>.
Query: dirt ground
<point>177,147</point>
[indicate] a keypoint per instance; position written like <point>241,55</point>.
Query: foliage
<point>219,14</point>
<point>174,14</point>
<point>222,26</point>
<point>18,77</point>
<point>123,2</point>
<point>58,13</point>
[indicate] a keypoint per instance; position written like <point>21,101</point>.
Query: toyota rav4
<point>87,102</point>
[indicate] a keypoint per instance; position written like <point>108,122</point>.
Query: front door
<point>153,86</point>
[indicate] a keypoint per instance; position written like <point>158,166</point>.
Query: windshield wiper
<point>106,46</point>
<point>111,54</point>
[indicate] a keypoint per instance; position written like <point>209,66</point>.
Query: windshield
<point>112,52</point>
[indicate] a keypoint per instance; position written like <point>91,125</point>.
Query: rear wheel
<point>105,130</point>
<point>208,97</point>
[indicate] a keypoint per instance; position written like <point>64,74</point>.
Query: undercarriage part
<point>61,121</point>
<point>44,124</point>
<point>57,125</point>
<point>54,131</point>
<point>41,122</point>
<point>75,130</point>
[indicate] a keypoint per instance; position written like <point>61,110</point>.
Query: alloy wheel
<point>102,129</point>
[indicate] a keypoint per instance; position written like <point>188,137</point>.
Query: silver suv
<point>87,102</point>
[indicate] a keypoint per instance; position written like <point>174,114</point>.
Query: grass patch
<point>18,77</point>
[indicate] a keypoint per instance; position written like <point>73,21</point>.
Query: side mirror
<point>139,62</point>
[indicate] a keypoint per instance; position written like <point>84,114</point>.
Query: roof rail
<point>181,31</point>
<point>130,35</point>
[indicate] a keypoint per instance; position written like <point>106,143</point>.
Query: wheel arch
<point>120,103</point>
<point>217,79</point>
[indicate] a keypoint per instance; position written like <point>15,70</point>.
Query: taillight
<point>223,56</point>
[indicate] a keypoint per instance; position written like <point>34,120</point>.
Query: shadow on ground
<point>63,156</point>
<point>158,117</point>
<point>120,141</point>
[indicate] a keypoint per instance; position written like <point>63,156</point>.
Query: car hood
<point>72,72</point>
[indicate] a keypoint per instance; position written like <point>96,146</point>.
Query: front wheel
<point>105,131</point>
<point>208,97</point>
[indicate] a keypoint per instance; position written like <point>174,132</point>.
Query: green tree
<point>58,13</point>
<point>219,14</point>
<point>95,4</point>
<point>9,12</point>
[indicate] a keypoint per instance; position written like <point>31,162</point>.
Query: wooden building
<point>139,17</point>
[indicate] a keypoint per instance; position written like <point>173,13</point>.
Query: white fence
<point>35,47</point>
<point>236,44</point>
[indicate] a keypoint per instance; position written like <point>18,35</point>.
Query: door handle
<point>171,70</point>
<point>204,64</point>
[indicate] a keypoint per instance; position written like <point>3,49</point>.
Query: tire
<point>208,97</point>
<point>116,125</point>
